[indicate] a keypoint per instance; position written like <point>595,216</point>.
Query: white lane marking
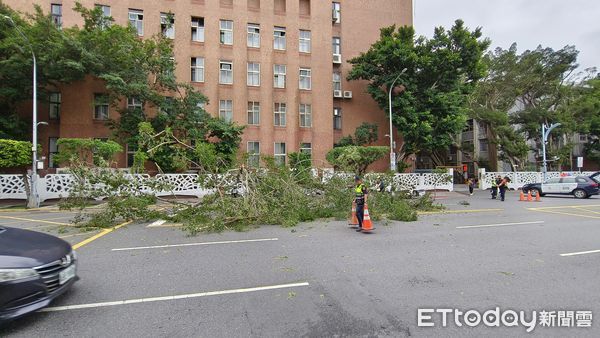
<point>195,244</point>
<point>498,225</point>
<point>157,223</point>
<point>580,253</point>
<point>166,298</point>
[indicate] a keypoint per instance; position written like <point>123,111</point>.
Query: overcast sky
<point>529,23</point>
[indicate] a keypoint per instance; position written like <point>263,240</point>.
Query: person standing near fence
<point>360,198</point>
<point>495,182</point>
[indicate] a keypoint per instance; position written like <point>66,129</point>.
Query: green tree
<point>364,134</point>
<point>355,158</point>
<point>80,151</point>
<point>440,74</point>
<point>586,108</point>
<point>14,153</point>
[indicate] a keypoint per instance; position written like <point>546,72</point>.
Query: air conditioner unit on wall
<point>347,94</point>
<point>337,58</point>
<point>337,93</point>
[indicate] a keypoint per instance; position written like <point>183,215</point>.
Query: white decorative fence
<point>520,178</point>
<point>54,186</point>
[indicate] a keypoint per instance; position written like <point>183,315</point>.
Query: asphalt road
<point>325,280</point>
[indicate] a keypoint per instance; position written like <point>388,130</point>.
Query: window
<point>54,100</point>
<point>583,138</point>
<point>336,44</point>
<point>131,149</point>
<point>52,151</point>
<point>306,148</point>
<point>253,153</point>
<point>134,103</point>
<point>106,14</point>
<point>279,6</point>
<point>279,114</point>
<point>305,7</point>
<point>226,35</point>
<point>304,46</point>
<point>337,81</point>
<point>553,180</point>
<point>100,107</point>
<point>279,76</point>
<point>305,115</point>
<point>167,106</point>
<point>167,25</point>
<point>305,78</point>
<point>253,35</point>
<point>56,12</point>
<point>197,29</point>
<point>253,113</point>
<point>226,110</point>
<point>226,72</point>
<point>136,19</point>
<point>336,14</point>
<point>279,38</point>
<point>253,74</point>
<point>567,180</point>
<point>337,118</point>
<point>279,153</point>
<point>483,145</point>
<point>197,69</point>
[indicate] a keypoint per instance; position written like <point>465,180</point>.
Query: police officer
<point>360,198</point>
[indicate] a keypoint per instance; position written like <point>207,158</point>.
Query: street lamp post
<point>34,200</point>
<point>545,132</point>
<point>392,153</point>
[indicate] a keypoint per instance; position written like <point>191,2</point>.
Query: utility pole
<point>545,132</point>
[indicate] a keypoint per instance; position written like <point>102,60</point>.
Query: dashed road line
<point>498,224</point>
<point>176,297</point>
<point>195,244</point>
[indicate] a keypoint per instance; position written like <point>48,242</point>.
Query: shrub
<point>14,153</point>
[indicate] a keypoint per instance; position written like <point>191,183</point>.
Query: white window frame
<point>306,149</point>
<point>226,32</point>
<point>279,114</point>
<point>278,155</point>
<point>253,153</point>
<point>337,116</point>
<point>253,113</point>
<point>54,102</point>
<point>197,29</point>
<point>305,110</point>
<point>223,72</point>
<point>136,19</point>
<point>253,39</point>
<point>279,39</point>
<point>168,32</point>
<point>130,151</point>
<point>336,45</point>
<point>226,110</point>
<point>336,11</point>
<point>337,81</point>
<point>305,79</point>
<point>56,13</point>
<point>134,103</point>
<point>105,10</point>
<point>279,75</point>
<point>101,109</point>
<point>304,44</point>
<point>197,69</point>
<point>253,76</point>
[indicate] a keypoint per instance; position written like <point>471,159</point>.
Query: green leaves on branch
<point>364,134</point>
<point>355,159</point>
<point>14,153</point>
<point>89,152</point>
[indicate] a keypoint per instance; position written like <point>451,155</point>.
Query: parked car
<point>578,186</point>
<point>35,268</point>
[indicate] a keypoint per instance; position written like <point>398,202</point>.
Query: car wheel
<point>579,193</point>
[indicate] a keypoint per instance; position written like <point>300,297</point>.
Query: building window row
<point>279,113</point>
<point>253,77</point>
<point>279,152</point>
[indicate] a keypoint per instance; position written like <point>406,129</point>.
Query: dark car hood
<point>25,249</point>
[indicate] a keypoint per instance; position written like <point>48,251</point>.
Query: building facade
<point>277,66</point>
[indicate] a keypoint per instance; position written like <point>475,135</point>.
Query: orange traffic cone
<point>367,225</point>
<point>537,197</point>
<point>353,219</point>
<point>529,197</point>
<point>521,196</point>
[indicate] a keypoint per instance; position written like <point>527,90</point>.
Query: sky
<point>529,23</point>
